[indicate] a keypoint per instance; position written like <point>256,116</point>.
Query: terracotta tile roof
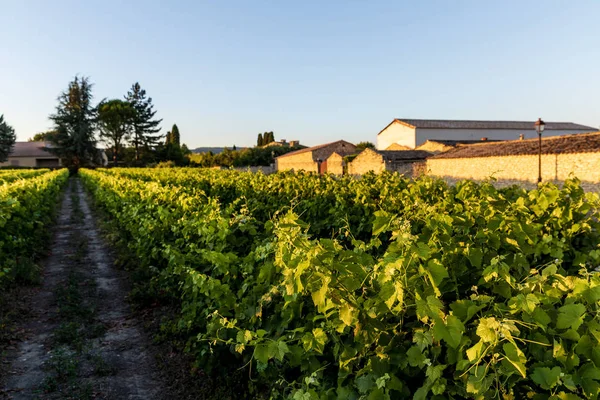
<point>311,149</point>
<point>404,155</point>
<point>31,149</point>
<point>466,124</point>
<point>575,143</point>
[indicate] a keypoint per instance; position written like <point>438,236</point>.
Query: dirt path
<point>82,341</point>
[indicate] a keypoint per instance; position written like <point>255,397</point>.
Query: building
<point>31,154</point>
<point>313,159</point>
<point>440,146</point>
<point>517,160</point>
<point>414,132</point>
<point>283,143</point>
<point>407,162</point>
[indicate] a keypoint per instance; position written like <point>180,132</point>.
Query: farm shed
<point>31,154</point>
<point>517,160</point>
<point>414,132</point>
<point>407,162</point>
<point>313,159</point>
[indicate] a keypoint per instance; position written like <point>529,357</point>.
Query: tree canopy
<point>364,145</point>
<point>115,122</point>
<point>75,124</point>
<point>42,136</point>
<point>7,139</point>
<point>145,125</point>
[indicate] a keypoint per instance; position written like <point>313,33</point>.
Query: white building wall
<point>422,135</point>
<point>396,133</point>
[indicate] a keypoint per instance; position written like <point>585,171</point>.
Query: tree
<point>75,124</point>
<point>115,120</point>
<point>268,137</point>
<point>7,139</point>
<point>175,137</point>
<point>145,127</point>
<point>364,145</point>
<point>260,141</point>
<point>42,136</point>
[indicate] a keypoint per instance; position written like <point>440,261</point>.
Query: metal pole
<point>540,158</point>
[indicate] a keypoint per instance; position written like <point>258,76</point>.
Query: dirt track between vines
<point>81,339</point>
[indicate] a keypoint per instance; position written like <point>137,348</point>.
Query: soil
<point>78,338</point>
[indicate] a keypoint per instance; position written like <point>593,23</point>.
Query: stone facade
<point>366,161</point>
<point>309,159</point>
<point>519,168</point>
<point>335,164</point>
<point>379,161</point>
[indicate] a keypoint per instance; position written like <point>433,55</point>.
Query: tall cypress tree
<point>75,123</point>
<point>175,138</point>
<point>260,140</point>
<point>145,127</point>
<point>7,139</point>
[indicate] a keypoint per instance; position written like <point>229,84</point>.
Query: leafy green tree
<point>364,145</point>
<point>145,126</point>
<point>42,136</point>
<point>260,141</point>
<point>75,123</point>
<point>7,139</point>
<point>115,121</point>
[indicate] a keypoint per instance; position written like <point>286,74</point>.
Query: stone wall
<point>307,160</point>
<point>520,169</point>
<point>370,160</point>
<point>366,161</point>
<point>335,164</point>
<point>303,161</point>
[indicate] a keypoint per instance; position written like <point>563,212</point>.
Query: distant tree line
<point>128,127</point>
<point>256,156</point>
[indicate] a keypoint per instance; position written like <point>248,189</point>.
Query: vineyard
<point>322,287</point>
<point>27,202</point>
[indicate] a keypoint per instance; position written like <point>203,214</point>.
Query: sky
<point>314,71</point>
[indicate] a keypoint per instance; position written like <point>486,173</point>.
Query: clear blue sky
<point>316,71</point>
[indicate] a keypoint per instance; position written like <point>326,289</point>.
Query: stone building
<point>414,132</point>
<point>517,160</point>
<point>440,146</point>
<point>31,154</point>
<point>407,162</point>
<point>313,159</point>
<point>335,164</point>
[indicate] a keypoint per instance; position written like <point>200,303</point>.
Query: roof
<point>396,146</point>
<point>455,143</point>
<point>31,149</point>
<point>574,143</point>
<point>311,149</point>
<point>404,155</point>
<point>470,124</point>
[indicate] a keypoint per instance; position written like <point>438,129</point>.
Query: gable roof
<point>471,124</point>
<point>404,155</point>
<point>311,149</point>
<point>31,149</point>
<point>396,146</point>
<point>574,143</point>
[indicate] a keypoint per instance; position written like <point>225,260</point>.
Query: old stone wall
<point>366,161</point>
<point>513,169</point>
<point>303,161</point>
<point>335,164</point>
